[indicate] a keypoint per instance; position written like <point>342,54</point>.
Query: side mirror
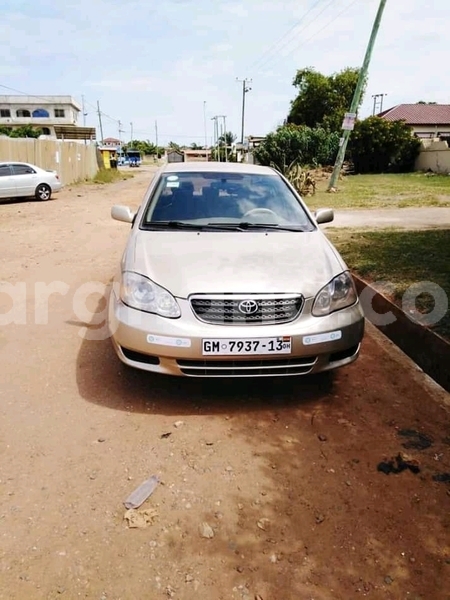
<point>324,215</point>
<point>122,213</point>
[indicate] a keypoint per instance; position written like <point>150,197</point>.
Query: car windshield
<point>222,200</point>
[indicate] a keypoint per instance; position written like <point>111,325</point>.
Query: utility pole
<point>356,99</point>
<point>156,133</point>
<point>245,89</point>
<point>120,132</point>
<point>224,136</point>
<point>131,136</point>
<point>84,111</point>
<point>204,124</point>
<point>216,137</point>
<point>375,102</point>
<point>100,119</point>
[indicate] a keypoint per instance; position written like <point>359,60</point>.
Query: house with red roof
<point>427,120</point>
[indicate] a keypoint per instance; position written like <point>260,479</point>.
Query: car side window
<point>5,171</point>
<point>22,170</point>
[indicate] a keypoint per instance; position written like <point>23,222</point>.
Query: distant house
<point>426,120</point>
<point>174,155</point>
<point>111,142</point>
<point>197,155</point>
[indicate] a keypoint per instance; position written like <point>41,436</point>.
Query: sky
<point>176,62</point>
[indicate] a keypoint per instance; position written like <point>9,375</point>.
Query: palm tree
<point>228,139</point>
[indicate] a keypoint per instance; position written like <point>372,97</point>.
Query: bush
<point>298,144</point>
<point>380,146</point>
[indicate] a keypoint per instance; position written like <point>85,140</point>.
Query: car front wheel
<point>43,192</point>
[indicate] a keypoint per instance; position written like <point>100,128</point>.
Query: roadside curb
<point>427,349</point>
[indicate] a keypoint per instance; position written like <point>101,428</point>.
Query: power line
<point>303,42</point>
<point>23,93</point>
<point>294,26</point>
<point>104,114</point>
<point>41,97</point>
<point>274,55</point>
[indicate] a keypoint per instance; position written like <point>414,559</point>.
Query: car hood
<point>227,262</point>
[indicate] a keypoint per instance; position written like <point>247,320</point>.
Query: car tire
<point>43,192</point>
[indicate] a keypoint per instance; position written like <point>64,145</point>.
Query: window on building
<point>5,112</point>
<point>59,112</point>
<point>45,131</point>
<point>23,113</point>
<point>40,113</point>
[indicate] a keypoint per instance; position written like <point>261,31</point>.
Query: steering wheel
<point>259,211</point>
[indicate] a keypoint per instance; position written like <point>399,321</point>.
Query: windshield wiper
<point>246,226</point>
<point>174,225</point>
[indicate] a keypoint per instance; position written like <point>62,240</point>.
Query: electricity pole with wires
<point>204,124</point>
<point>351,116</point>
<point>100,119</point>
<point>245,89</point>
<point>216,136</point>
<point>120,132</point>
<point>376,103</point>
<point>223,136</point>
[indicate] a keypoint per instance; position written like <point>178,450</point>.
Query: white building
<point>56,115</point>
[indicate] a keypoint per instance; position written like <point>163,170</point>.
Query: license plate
<point>233,347</point>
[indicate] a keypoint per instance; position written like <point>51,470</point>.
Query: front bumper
<point>174,346</point>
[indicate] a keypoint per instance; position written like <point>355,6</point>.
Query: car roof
<point>217,167</point>
<point>18,162</point>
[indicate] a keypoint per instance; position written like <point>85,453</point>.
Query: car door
<point>26,179</point>
<point>7,183</point>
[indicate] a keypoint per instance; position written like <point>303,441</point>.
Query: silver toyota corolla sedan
<point>226,274</point>
<point>24,180</point>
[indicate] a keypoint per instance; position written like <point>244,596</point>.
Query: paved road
<point>284,472</point>
<point>407,218</point>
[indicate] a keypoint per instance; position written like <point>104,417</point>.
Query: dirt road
<point>284,472</point>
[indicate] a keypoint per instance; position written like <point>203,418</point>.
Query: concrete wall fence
<point>73,161</point>
<point>434,156</point>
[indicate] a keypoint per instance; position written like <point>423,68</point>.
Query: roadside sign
<point>349,121</point>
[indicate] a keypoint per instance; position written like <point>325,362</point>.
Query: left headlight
<point>137,291</point>
<point>339,293</point>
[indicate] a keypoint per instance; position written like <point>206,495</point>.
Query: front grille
<point>247,368</point>
<point>224,309</point>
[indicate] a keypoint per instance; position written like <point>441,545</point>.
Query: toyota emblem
<point>248,307</point>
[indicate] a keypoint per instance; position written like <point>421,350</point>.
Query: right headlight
<point>137,291</point>
<point>339,293</point>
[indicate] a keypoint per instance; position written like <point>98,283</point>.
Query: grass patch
<point>110,176</point>
<point>401,258</point>
<point>383,191</point>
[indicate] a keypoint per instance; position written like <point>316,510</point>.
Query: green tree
<point>227,138</point>
<point>144,146</point>
<point>304,145</point>
<point>174,146</point>
<point>219,154</point>
<point>25,131</point>
<point>323,99</point>
<point>379,146</point>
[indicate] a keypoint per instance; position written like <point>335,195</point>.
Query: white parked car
<point>23,180</point>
